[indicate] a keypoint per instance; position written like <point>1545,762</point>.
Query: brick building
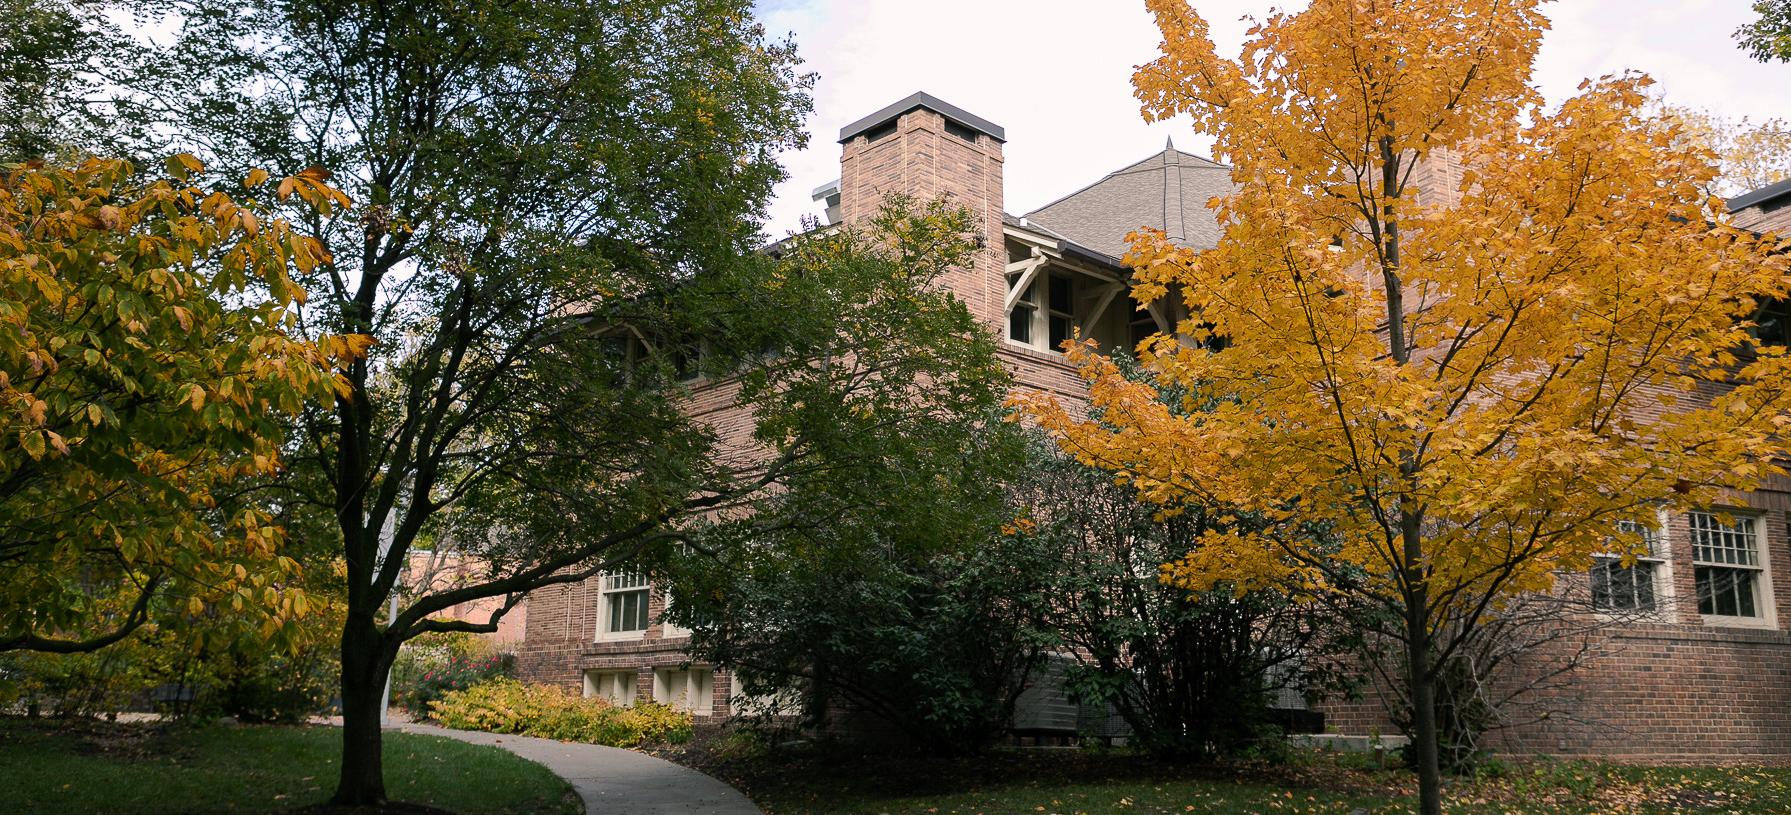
<point>1697,679</point>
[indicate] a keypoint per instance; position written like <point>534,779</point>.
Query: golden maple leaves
<point>1572,347</point>
<point>147,363</point>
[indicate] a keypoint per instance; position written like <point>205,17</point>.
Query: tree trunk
<point>364,666</point>
<point>1411,519</point>
<point>1424,710</point>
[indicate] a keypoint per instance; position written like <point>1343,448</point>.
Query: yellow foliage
<point>508,706</point>
<point>147,369</point>
<point>1467,382</point>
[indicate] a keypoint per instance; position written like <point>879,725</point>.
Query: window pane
<point>1773,323</point>
<point>1716,542</point>
<point>628,611</point>
<point>1650,537</point>
<point>623,581</point>
<point>1142,330</point>
<point>1060,331</point>
<point>1019,324</point>
<point>1025,296</point>
<point>1726,592</point>
<point>1061,290</point>
<point>1616,588</point>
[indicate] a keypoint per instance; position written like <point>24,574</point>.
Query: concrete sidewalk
<point>612,780</point>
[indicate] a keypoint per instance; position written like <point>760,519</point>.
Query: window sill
<point>1013,343</point>
<point>1720,621</point>
<point>1657,616</point>
<point>623,636</point>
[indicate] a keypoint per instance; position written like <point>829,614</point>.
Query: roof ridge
<point>1134,167</point>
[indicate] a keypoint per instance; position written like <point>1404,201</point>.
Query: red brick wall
<point>1675,689</point>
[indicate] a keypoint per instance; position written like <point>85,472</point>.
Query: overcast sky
<point>1057,73</point>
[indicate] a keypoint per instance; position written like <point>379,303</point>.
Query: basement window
<point>691,690</point>
<point>1618,588</point>
<point>1726,560</point>
<point>617,687</point>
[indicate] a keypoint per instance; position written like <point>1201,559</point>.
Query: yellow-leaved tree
<point>1465,333</point>
<point>144,384</point>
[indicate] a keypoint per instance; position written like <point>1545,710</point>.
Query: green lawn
<point>1070,782</point>
<point>50,767</point>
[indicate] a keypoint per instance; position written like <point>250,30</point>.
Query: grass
<point>92,767</point>
<point>1070,782</point>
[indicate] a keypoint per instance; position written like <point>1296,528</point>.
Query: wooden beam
<point>1156,313</point>
<point>1101,306</point>
<point>1028,269</point>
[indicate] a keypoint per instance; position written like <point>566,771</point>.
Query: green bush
<point>507,706</point>
<point>263,686</point>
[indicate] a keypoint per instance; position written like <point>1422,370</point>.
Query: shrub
<point>505,705</point>
<point>435,664</point>
<point>259,685</point>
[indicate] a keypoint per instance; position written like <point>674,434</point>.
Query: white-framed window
<point>1730,567</point>
<point>1044,314</point>
<point>1640,586</point>
<point>616,686</point>
<point>1020,320</point>
<point>667,627</point>
<point>687,689</point>
<point>1060,310</point>
<point>622,607</point>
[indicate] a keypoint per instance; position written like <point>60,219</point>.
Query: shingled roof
<point>1167,191</point>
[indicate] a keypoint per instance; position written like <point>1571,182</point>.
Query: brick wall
<point>1764,220</point>
<point>1673,689</point>
<point>922,160</point>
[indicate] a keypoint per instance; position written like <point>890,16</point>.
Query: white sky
<point>1057,73</point>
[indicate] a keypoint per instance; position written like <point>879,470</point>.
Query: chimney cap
<point>932,103</point>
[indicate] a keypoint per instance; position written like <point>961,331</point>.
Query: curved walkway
<point>612,780</point>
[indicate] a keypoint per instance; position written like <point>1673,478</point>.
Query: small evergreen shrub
<point>505,705</point>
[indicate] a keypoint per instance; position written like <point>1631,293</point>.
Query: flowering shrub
<point>431,666</point>
<point>508,706</point>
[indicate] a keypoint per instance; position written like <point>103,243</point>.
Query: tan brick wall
<point>1766,221</point>
<point>922,160</point>
<point>919,159</point>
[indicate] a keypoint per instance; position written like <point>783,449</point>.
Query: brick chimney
<point>926,148</point>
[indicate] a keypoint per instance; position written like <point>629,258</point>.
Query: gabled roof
<point>1167,191</point>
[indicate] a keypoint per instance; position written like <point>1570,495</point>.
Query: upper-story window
<point>1020,319</point>
<point>1044,314</point>
<point>1772,323</point>
<point>1060,310</point>
<point>623,605</point>
<point>1616,587</point>
<point>1729,564</point>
